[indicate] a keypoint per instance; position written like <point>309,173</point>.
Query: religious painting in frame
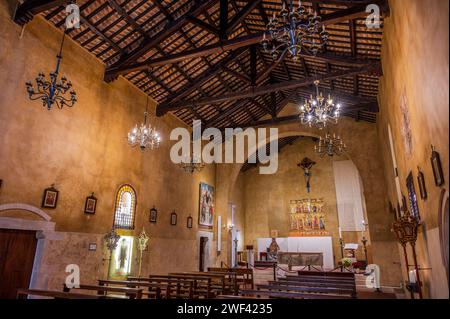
<point>153,215</point>
<point>421,182</point>
<point>50,197</point>
<point>206,206</point>
<point>412,196</point>
<point>307,218</point>
<point>173,218</point>
<point>189,222</point>
<point>91,204</point>
<point>437,167</point>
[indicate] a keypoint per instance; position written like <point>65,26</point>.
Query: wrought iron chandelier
<point>144,135</point>
<point>294,30</point>
<point>53,91</point>
<point>330,145</point>
<point>318,111</point>
<point>192,164</point>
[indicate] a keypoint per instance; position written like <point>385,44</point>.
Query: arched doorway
<point>22,245</point>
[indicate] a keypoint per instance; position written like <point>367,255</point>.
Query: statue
<point>123,254</point>
<point>273,250</point>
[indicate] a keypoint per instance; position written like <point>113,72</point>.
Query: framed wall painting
<point>421,182</point>
<point>50,197</point>
<point>173,218</point>
<point>437,167</point>
<point>153,215</point>
<point>206,206</point>
<point>412,196</point>
<point>91,204</point>
<point>189,222</point>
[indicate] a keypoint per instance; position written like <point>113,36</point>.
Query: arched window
<point>125,208</point>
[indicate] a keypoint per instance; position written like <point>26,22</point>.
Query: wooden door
<point>17,250</point>
<point>201,264</point>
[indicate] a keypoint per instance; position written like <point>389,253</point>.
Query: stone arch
<point>284,131</point>
<point>45,232</point>
<point>27,208</point>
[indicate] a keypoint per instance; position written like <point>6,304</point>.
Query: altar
<point>317,250</point>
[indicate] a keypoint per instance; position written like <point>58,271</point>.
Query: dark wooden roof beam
<point>26,11</point>
<point>294,84</point>
<point>240,16</point>
<point>170,28</point>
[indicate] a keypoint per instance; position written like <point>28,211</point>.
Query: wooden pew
<point>287,286</point>
<point>152,291</point>
<point>244,276</point>
<point>170,287</point>
<point>348,275</point>
<point>323,280</point>
<point>351,289</point>
<point>203,285</point>
<point>319,281</point>
<point>131,293</point>
<point>287,294</point>
<point>24,293</point>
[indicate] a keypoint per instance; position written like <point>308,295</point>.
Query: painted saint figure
<point>273,250</point>
<point>322,223</point>
<point>123,254</point>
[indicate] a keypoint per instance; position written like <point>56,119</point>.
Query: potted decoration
<point>346,262</point>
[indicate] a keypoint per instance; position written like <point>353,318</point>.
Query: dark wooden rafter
<point>28,9</point>
<point>222,76</point>
<point>253,62</point>
<point>224,45</point>
<point>273,105</point>
<point>371,68</point>
<point>170,28</point>
<point>223,20</point>
<point>211,73</point>
<point>238,75</point>
<point>206,26</point>
<point>240,16</point>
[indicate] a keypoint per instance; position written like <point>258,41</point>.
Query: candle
<point>340,233</point>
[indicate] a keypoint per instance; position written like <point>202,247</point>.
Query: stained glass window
<point>125,208</point>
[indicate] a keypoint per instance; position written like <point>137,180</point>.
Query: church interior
<point>224,149</point>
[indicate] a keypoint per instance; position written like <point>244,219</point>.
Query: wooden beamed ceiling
<point>203,59</point>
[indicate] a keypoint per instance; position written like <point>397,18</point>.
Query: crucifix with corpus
<point>306,164</point>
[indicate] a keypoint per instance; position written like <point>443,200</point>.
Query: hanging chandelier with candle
<point>330,145</point>
<point>318,111</point>
<point>144,135</point>
<point>53,91</point>
<point>294,29</point>
<point>191,164</point>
